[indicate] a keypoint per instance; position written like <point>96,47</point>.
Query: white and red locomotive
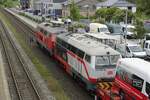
<point>83,58</point>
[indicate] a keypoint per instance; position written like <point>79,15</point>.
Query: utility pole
<point>126,19</point>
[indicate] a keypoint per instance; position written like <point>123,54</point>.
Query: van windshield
<point>136,48</point>
<point>130,29</point>
<point>103,30</point>
<point>117,30</point>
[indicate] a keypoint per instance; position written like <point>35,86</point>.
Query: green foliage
<point>101,13</point>
<point>140,29</point>
<point>114,14</point>
<point>119,15</point>
<point>110,13</point>
<point>8,3</point>
<point>74,11</point>
<point>143,6</point>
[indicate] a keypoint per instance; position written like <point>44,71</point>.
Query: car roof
<point>133,45</point>
<point>130,44</point>
<point>128,25</point>
<point>113,25</point>
<point>137,66</point>
<point>147,41</point>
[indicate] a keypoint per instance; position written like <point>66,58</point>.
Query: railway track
<point>22,27</point>
<point>23,83</point>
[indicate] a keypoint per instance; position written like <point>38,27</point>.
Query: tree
<point>140,29</point>
<point>120,15</point>
<point>109,13</point>
<point>100,13</point>
<point>143,6</point>
<point>74,11</point>
<point>113,14</point>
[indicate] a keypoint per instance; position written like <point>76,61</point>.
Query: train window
<point>137,82</point>
<point>69,47</point>
<point>59,41</point>
<point>148,88</point>
<point>74,49</point>
<point>88,58</point>
<point>80,53</point>
<point>65,44</point>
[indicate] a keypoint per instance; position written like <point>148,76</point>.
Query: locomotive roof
<point>137,66</point>
<point>103,36</point>
<point>88,45</point>
<point>48,27</point>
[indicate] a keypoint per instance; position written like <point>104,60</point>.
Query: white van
<point>131,50</point>
<point>130,30</point>
<point>98,28</point>
<point>147,47</point>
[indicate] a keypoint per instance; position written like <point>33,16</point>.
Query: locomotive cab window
<point>148,88</point>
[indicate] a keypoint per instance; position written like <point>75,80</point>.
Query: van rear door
<point>147,48</point>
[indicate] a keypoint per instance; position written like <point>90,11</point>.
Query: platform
<point>4,90</point>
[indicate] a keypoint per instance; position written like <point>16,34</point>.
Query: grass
<point>53,84</point>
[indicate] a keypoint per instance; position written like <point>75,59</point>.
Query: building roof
<point>50,1</point>
<point>115,3</point>
<point>88,45</point>
<point>67,2</point>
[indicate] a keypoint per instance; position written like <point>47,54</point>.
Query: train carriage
<point>46,34</point>
<point>86,59</point>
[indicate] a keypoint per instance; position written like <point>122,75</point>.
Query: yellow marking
<point>104,85</point>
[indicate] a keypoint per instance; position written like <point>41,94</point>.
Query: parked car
<point>130,31</point>
<point>67,21</point>
<point>131,50</point>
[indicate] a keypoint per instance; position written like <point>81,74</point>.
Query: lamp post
<point>126,19</point>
